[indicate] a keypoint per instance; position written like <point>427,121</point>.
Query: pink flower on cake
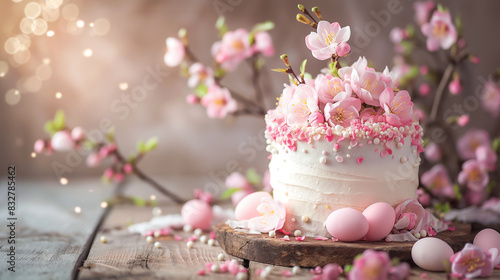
<point>324,42</point>
<point>490,98</point>
<point>285,98</point>
<point>264,44</point>
<point>272,216</point>
<point>485,155</point>
<point>328,87</point>
<point>342,112</point>
<point>410,215</point>
<point>199,74</point>
<point>398,109</point>
<point>423,11</point>
<point>233,49</point>
<point>371,265</point>
<point>316,118</point>
<point>470,141</point>
<point>61,141</point>
<point>440,31</point>
<point>474,175</point>
<point>473,262</point>
<point>219,102</point>
<point>368,86</point>
<point>175,52</point>
<point>303,103</point>
<point>438,181</point>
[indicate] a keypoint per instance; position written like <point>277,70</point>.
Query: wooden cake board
<point>311,252</point>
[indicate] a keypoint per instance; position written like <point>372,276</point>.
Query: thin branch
<point>440,90</point>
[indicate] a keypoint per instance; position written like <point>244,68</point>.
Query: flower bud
<point>39,146</point>
<point>77,133</point>
<point>343,49</point>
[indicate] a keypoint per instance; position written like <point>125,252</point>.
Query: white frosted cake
<point>346,152</point>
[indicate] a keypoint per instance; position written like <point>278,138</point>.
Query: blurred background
<point>85,57</point>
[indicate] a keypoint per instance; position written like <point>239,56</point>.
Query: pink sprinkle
<point>424,275</point>
<point>150,233</point>
<point>384,153</point>
<point>259,272</point>
<point>244,270</point>
<point>360,160</point>
<point>208,265</point>
<point>284,232</point>
<point>286,273</point>
<point>165,231</point>
<point>223,268</point>
<point>317,270</point>
<point>389,150</point>
<point>353,143</point>
<point>360,145</point>
<point>335,239</point>
<point>340,138</point>
<point>300,238</point>
<point>339,159</point>
<point>322,238</point>
<point>212,235</point>
<point>192,238</point>
<point>336,146</point>
<point>177,237</point>
<point>451,228</point>
<point>370,142</point>
<point>376,150</point>
<point>201,272</point>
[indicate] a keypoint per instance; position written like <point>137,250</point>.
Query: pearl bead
<point>221,257</point>
<point>190,244</point>
<point>157,244</point>
<point>149,239</point>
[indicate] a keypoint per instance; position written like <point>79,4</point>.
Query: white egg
<point>432,254</point>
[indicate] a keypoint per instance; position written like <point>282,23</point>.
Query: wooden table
<point>55,242</point>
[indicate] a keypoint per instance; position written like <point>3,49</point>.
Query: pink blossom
<point>175,52</point>
<point>343,49</point>
<point>438,181</point>
<point>432,152</point>
<point>490,98</point>
<point>108,173</point>
<point>264,43</point>
<point>397,35</point>
<point>474,197</point>
<point>328,87</point>
<point>272,216</point>
<point>234,48</point>
<point>107,150</point>
<point>331,271</point>
<point>398,109</point>
<point>371,265</point>
<point>200,74</point>
<point>370,114</point>
<point>303,103</point>
<point>424,89</point>
<point>324,42</point>
<point>470,141</point>
<point>61,141</point>
<point>474,59</point>
<point>285,98</point>
<point>440,31</point>
<point>410,215</point>
<point>423,70</point>
<point>219,102</point>
<point>93,160</point>
<point>368,85</point>
<point>77,134</point>
<point>127,168</point>
<point>423,11</point>
<point>342,112</point>
<point>192,99</point>
<point>316,119</point>
<point>463,120</point>
<point>39,146</point>
<point>485,155</point>
<point>473,262</point>
<point>423,197</point>
<point>474,175</point>
<point>455,87</point>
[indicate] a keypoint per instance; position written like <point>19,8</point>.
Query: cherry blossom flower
<point>328,87</point>
<point>440,31</point>
<point>303,103</point>
<point>237,180</point>
<point>272,216</point>
<point>324,42</point>
<point>398,109</point>
<point>410,215</point>
<point>77,133</point>
<point>175,52</point>
<point>397,35</point>
<point>342,112</point>
<point>473,262</point>
<point>316,118</point>
<point>474,175</point>
<point>370,114</point>
<point>39,146</point>
<point>343,49</point>
<point>423,11</point>
<point>264,44</point>
<point>432,152</point>
<point>490,98</point>
<point>474,197</point>
<point>463,120</point>
<point>470,141</point>
<point>93,160</point>
<point>371,265</point>
<point>61,141</point>
<point>485,155</point>
<point>285,98</point>
<point>438,181</point>
<point>331,271</point>
<point>192,99</point>
<point>219,102</point>
<point>455,87</point>
<point>233,49</point>
<point>368,85</point>
<point>199,74</point>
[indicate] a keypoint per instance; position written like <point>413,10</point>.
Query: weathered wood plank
<point>50,236</point>
<point>129,256</point>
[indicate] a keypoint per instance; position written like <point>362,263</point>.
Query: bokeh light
<point>104,204</point>
<point>123,86</point>
<point>12,45</point>
<point>50,33</point>
<point>44,72</point>
<point>78,210</point>
<point>87,52</point>
<point>22,57</point>
<point>32,10</point>
<point>100,27</point>
<point>32,84</point>
<point>26,25</point>
<point>63,181</point>
<point>80,23</point>
<point>4,68</point>
<point>58,95</point>
<point>70,11</point>
<point>53,4</point>
<point>39,26</point>
<point>33,155</point>
<point>12,97</point>
<point>50,14</point>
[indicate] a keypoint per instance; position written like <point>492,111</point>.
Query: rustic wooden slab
<point>129,256</point>
<point>311,252</point>
<point>50,237</point>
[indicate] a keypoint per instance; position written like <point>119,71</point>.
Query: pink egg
<point>197,213</point>
<point>247,207</point>
<point>380,217</point>
<point>431,253</point>
<point>487,239</point>
<point>347,224</point>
